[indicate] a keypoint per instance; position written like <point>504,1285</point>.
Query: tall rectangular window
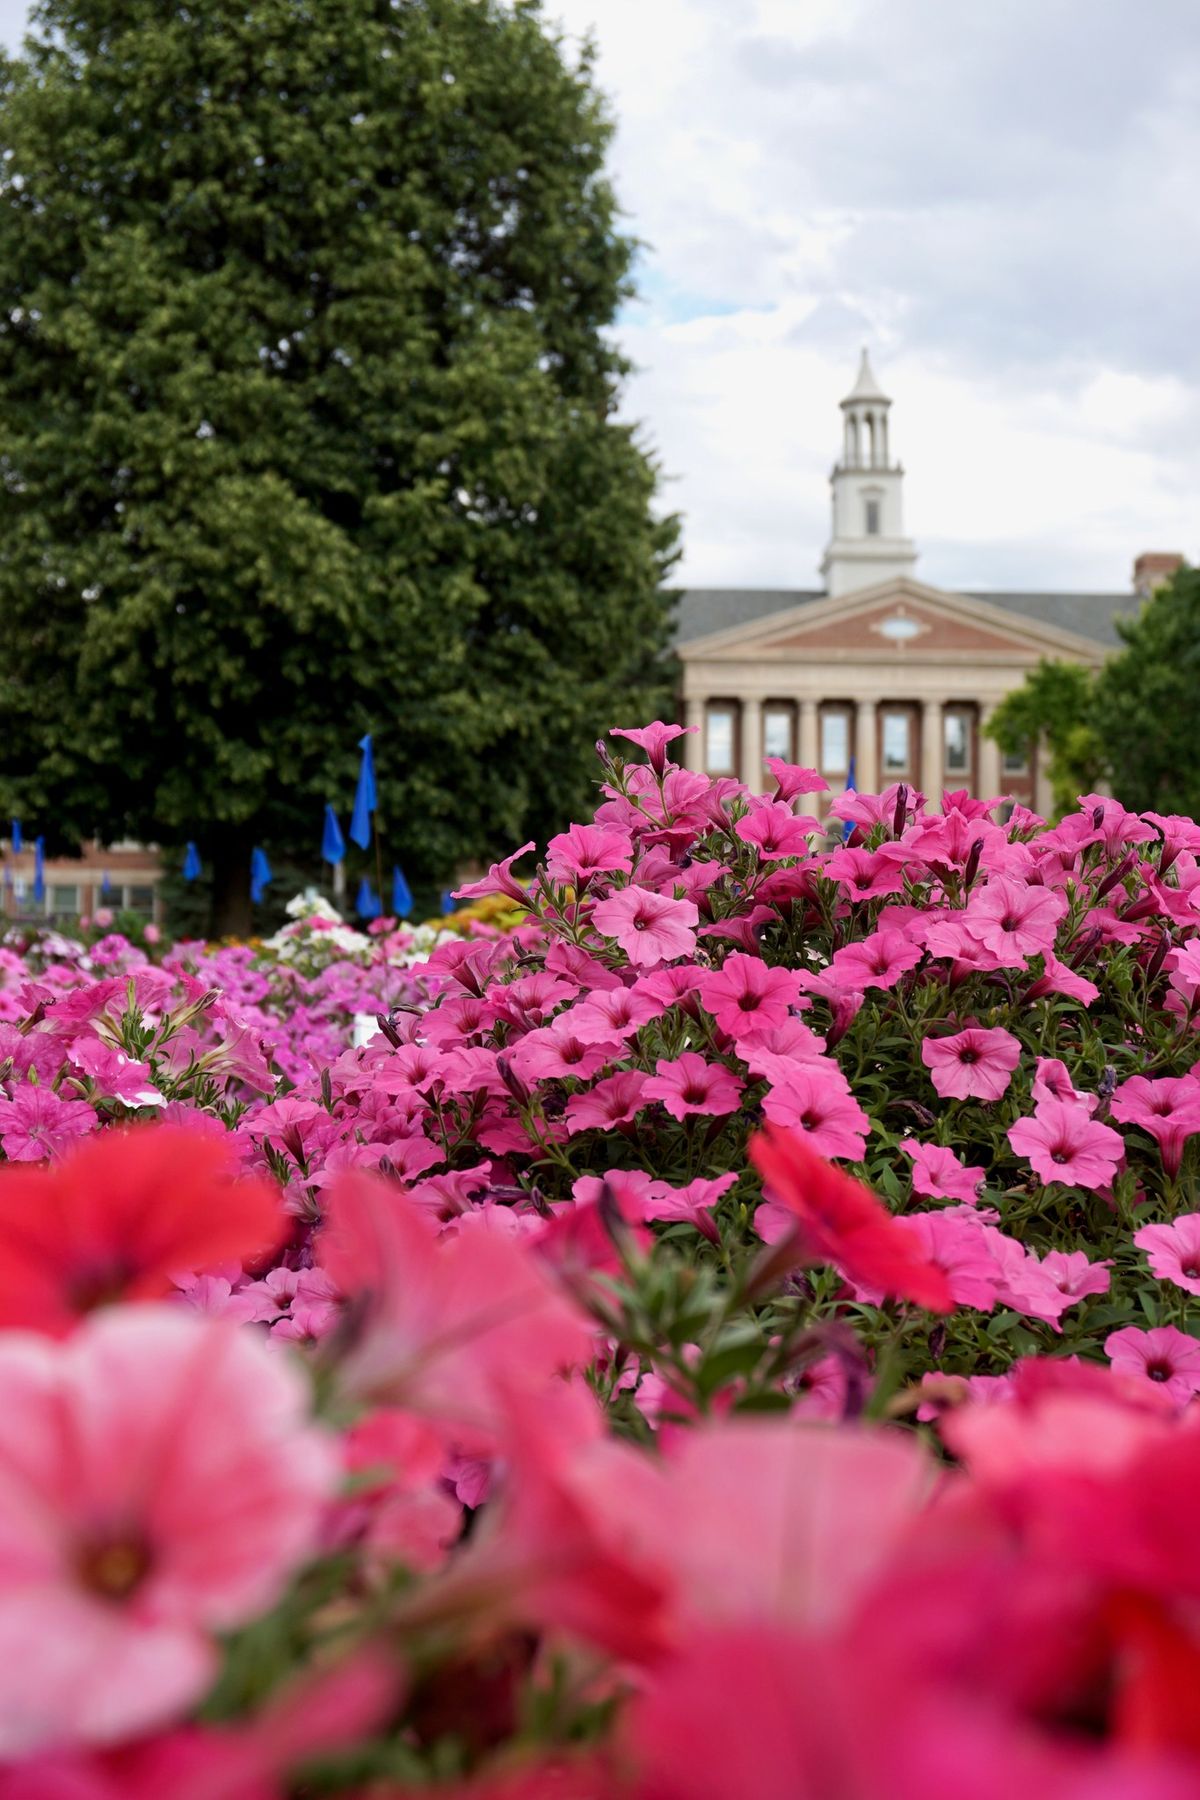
<point>139,900</point>
<point>956,729</point>
<point>719,740</point>
<point>897,750</point>
<point>778,732</point>
<point>63,899</point>
<point>1016,762</point>
<point>835,742</point>
<point>872,518</point>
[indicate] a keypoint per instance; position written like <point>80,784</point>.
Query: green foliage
<point>309,427</point>
<point>1053,709</point>
<point>1145,702</point>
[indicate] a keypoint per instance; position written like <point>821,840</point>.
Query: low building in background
<point>877,667</point>
<point>123,877</point>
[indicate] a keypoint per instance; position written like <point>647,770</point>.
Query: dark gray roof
<point>704,610</point>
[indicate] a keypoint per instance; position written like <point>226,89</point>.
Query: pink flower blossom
<point>792,780</point>
<point>653,739</point>
<point>744,995</point>
<point>1168,1109</point>
<point>37,1123</point>
<point>974,1064</point>
<point>1173,1250</point>
<point>866,874</point>
<point>1013,920</point>
<point>817,1100</point>
<point>1064,1143</point>
<point>939,1173</point>
<point>159,1483</point>
<point>775,830</point>
<point>1074,1273</point>
<point>613,1101</point>
<point>498,880</point>
<point>1057,978</point>
<point>585,850</point>
<point>877,961</point>
<point>957,1246</point>
<point>692,1084</point>
<point>693,1203</point>
<point>616,1012</point>
<point>1162,1355</point>
<point>1052,1081</point>
<point>114,1075</point>
<point>557,1051</point>
<point>649,927</point>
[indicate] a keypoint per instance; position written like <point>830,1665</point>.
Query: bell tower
<point>868,542</point>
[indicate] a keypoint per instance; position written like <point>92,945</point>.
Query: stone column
<point>691,748</point>
<point>866,769</point>
<point>808,752</point>
<point>752,744</point>
<point>932,754</point>
<point>991,775</point>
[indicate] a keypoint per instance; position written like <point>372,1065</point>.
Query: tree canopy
<point>309,426</point>
<point>1135,723</point>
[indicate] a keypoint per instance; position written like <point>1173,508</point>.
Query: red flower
<point>118,1218</point>
<point>842,1222</point>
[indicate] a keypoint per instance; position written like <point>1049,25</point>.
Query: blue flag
<point>364,796</point>
<point>18,837</point>
<point>191,864</point>
<point>260,874</point>
<point>402,900</point>
<point>106,886</point>
<point>333,844</point>
<point>448,902</point>
<point>851,788</point>
<point>39,868</point>
<point>367,903</point>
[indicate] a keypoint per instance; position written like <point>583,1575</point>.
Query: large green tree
<point>307,427</point>
<point>1134,723</point>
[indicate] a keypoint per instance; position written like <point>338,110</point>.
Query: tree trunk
<point>231,915</point>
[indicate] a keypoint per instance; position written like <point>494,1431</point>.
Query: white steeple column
<point>752,745</point>
<point>691,748</point>
<point>931,753</point>
<point>809,751</point>
<point>867,544</point>
<point>866,772</point>
<point>991,775</point>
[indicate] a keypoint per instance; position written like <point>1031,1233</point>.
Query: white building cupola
<point>868,543</point>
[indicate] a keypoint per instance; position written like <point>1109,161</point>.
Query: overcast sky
<point>999,199</point>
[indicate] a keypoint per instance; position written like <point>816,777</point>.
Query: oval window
<point>899,629</point>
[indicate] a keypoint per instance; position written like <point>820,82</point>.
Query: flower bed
<point>732,1334</point>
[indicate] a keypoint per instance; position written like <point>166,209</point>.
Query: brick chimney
<point>1152,568</point>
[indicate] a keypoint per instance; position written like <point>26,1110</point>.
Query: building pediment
<point>897,621</point>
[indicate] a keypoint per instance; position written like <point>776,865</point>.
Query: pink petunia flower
<point>649,927</point>
<point>975,1064</point>
<point>939,1173</point>
<point>792,780</point>
<point>653,739</point>
<point>113,1074</point>
<point>1057,978</point>
<point>1162,1355</point>
<point>876,961</point>
<point>692,1084</point>
<point>1064,1143</point>
<point>1052,1081</point>
<point>558,1051</point>
<point>1173,1250</point>
<point>1168,1109</point>
<point>159,1482</point>
<point>37,1123</point>
<point>1075,1274</point>
<point>1014,920</point>
<point>585,850</point>
<point>866,874</point>
<point>816,1099</point>
<point>613,1101</point>
<point>958,1247</point>
<point>744,995</point>
<point>775,830</point>
<point>614,1012</point>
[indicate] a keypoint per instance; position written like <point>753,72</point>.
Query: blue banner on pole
<point>364,796</point>
<point>367,903</point>
<point>333,844</point>
<point>851,788</point>
<point>39,868</point>
<point>18,837</point>
<point>402,900</point>
<point>191,864</point>
<point>260,874</point>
